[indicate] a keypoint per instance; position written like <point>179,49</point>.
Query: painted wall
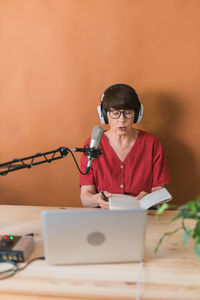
<point>56,59</point>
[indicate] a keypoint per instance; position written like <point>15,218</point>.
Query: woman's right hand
<point>101,202</point>
<point>90,197</point>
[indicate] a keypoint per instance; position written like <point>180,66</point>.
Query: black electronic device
<point>15,248</point>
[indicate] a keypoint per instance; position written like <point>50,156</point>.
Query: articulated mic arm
<point>46,157</point>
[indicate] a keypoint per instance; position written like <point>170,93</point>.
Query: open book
<point>120,201</point>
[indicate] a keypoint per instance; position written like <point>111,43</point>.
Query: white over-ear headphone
<point>103,114</point>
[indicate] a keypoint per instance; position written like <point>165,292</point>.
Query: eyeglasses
<point>115,114</point>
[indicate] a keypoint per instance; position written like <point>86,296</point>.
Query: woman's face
<point>120,121</point>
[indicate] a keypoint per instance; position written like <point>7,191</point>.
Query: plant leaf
<point>193,206</point>
<point>196,232</point>
<point>197,247</point>
<point>183,214</point>
<point>186,236</point>
<point>197,250</point>
<point>183,207</point>
<point>162,209</point>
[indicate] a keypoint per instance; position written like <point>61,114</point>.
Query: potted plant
<point>190,210</point>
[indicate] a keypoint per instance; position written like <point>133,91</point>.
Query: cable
<point>13,269</point>
<point>70,151</point>
<point>16,269</point>
<point>30,261</point>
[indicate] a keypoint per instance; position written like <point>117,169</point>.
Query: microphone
<point>92,151</point>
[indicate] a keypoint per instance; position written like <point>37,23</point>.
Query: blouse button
<point>121,166</point>
<point>121,186</point>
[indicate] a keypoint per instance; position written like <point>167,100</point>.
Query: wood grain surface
<point>172,273</point>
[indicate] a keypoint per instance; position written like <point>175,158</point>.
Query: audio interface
<point>15,248</point>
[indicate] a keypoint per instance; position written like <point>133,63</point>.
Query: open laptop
<point>76,236</point>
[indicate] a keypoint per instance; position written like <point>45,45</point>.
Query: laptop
<point>82,236</point>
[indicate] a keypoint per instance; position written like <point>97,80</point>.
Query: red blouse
<point>143,168</point>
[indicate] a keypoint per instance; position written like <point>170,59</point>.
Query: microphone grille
<point>97,133</point>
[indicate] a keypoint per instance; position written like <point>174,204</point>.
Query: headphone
<point>103,114</point>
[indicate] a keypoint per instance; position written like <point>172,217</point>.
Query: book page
<point>155,198</point>
<point>120,201</point>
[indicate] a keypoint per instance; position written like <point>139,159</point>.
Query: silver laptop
<point>76,236</point>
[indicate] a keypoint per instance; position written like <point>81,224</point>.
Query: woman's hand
<point>141,195</point>
<point>101,201</point>
<point>90,197</point>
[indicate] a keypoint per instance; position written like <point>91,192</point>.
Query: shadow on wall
<point>162,117</point>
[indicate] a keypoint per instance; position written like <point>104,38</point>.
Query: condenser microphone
<point>92,151</point>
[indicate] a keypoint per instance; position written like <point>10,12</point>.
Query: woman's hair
<point>121,96</point>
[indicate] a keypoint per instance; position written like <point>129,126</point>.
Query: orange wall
<point>57,57</point>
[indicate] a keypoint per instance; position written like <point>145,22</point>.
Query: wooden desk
<point>172,273</point>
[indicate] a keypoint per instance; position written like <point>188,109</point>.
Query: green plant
<point>190,210</point>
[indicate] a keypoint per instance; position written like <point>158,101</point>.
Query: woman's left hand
<point>141,195</point>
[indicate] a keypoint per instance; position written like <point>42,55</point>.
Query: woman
<point>132,160</point>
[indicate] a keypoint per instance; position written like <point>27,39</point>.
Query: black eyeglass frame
<point>121,112</point>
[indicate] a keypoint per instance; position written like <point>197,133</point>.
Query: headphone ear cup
<point>102,114</point>
<point>140,114</point>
